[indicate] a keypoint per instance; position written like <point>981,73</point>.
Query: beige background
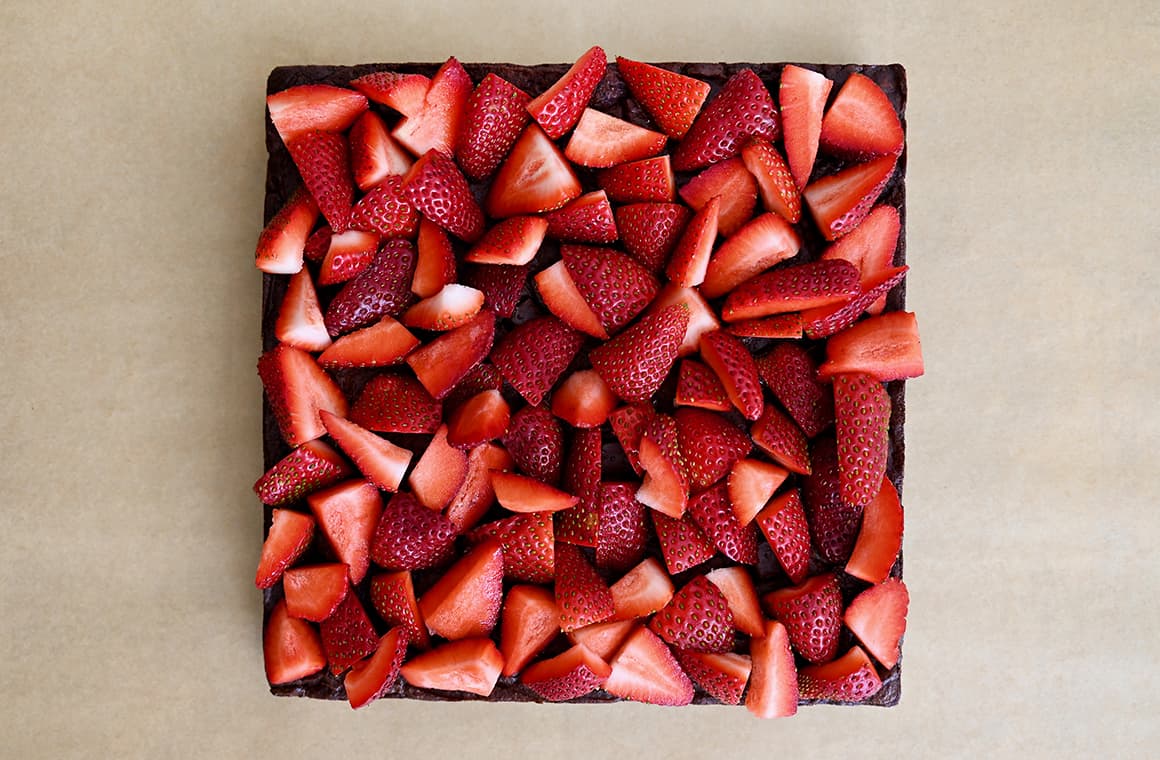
<point>131,177</point>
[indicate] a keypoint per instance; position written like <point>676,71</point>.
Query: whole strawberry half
<point>635,362</point>
<point>696,618</point>
<point>411,537</point>
<point>812,613</point>
<point>534,355</point>
<point>743,108</point>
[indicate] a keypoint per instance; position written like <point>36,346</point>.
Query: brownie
<point>612,96</point>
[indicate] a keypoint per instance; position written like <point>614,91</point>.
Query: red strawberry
<point>471,665</point>
<point>558,109</point>
<point>475,496</point>
<point>383,289</point>
<point>410,536</point>
<point>812,614</point>
<point>709,444</point>
<point>311,107</point>
<point>642,591</point>
<point>314,592</point>
<point>297,389</point>
<point>567,676</point>
<point>435,264</point>
<point>850,678</point>
<point>453,306</point>
<point>533,355</point>
<point>495,115</point>
<point>403,92</point>
<point>348,514</point>
<point>751,486</point>
<point>793,288</point>
<point>588,219</point>
<point>833,522</point>
<point>636,362</point>
<point>300,317</point>
<point>697,618</point>
<point>291,647</point>
<point>382,462</point>
<point>778,326</point>
<point>374,154</point>
<point>839,202</point>
<point>773,688</point>
<point>690,260</point>
<point>347,635</point>
<point>311,466</point>
<point>601,141</point>
<point>880,537</point>
<point>734,366</point>
<point>439,191</point>
<point>738,589</point>
<point>861,121</point>
<point>644,670</point>
<point>603,639</point>
<point>779,194</point>
<point>318,243</point>
<point>783,521</point>
<point>698,386</point>
<point>483,417</point>
<point>825,321</point>
<point>622,530</point>
<point>465,601</point>
<point>323,160</point>
<point>647,181</point>
<point>502,286</point>
<point>534,178</point>
<point>731,183</point>
<point>870,247</point>
<point>530,621</point>
<point>862,411</point>
<point>671,99</point>
<point>347,256</point>
<point>777,436</point>
<point>714,516</point>
<point>559,293</point>
<point>628,424</point>
<point>290,534</point>
<point>536,443</point>
<point>439,473</point>
<point>385,209</point>
<point>393,597</point>
<point>886,347</point>
<point>582,595</point>
<point>370,679</point>
<point>683,545</point>
<point>723,676</point>
<point>444,362</point>
<point>666,486</point>
<point>528,546</point>
<point>381,344</point>
<point>437,125</point>
<point>520,493</point>
<point>877,617</point>
<point>615,286</point>
<point>802,97</point>
<point>583,400</point>
<point>792,375</point>
<point>756,247</point>
<point>282,242</point>
<point>392,403</point>
<point>742,108</point>
<point>513,241</point>
<point>650,231</point>
<point>582,470</point>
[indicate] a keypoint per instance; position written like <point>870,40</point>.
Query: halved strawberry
<point>513,241</point>
<point>710,444</point>
<point>465,601</point>
<point>802,96</point>
<point>318,243</point>
<point>734,187</point>
<point>701,316</point>
<point>482,377</point>
<point>751,486</point>
<point>647,181</point>
<point>582,470</point>
<point>403,92</point>
<point>300,317</point>
<point>534,178</point>
<point>861,121</point>
<point>628,424</point>
<point>787,326</point>
<point>282,242</point>
<point>877,617</point>
<point>530,621</point>
<point>383,343</point>
<point>436,126</point>
<point>559,293</point>
<point>472,665</point>
<point>649,231</point>
<point>475,496</point>
<point>778,191</point>
<point>616,287</point>
<point>453,306</point>
<point>756,247</point>
<point>793,288</point>
<point>690,260</point>
<point>792,375</point>
<point>439,191</point>
<point>311,466</point>
<point>558,109</point>
<point>588,219</point>
<point>696,618</point>
<point>870,247</point>
<point>671,99</point>
<point>713,514</point>
<point>783,521</point>
<point>386,209</point>
<point>583,400</point>
<point>289,535</point>
<point>773,687</point>
<point>734,366</point>
<point>291,647</point>
<point>862,413</point>
<point>723,676</point>
<point>601,140</point>
<point>644,670</point>
<point>528,543</point>
<point>443,362</point>
<point>880,537</point>
<point>850,678</point>
<point>380,461</point>
<point>812,614</point>
<point>665,487</point>
<point>603,639</point>
<point>779,437</point>
<point>347,514</point>
<point>374,154</point>
<point>347,635</point>
<point>383,289</point>
<point>439,472</point>
<point>323,160</point>
<point>622,530</point>
<point>636,362</point>
<point>683,545</point>
<point>502,286</point>
<point>297,389</point>
<point>311,107</point>
<point>435,264</point>
<point>483,417</point>
<point>742,108</point>
<point>642,591</point>
<point>741,595</point>
<point>371,678</point>
<point>839,202</point>
<point>393,597</point>
<point>410,536</point>
<point>567,676</point>
<point>519,493</point>
<point>698,386</point>
<point>583,597</point>
<point>394,403</point>
<point>886,347</point>
<point>347,256</point>
<point>825,321</point>
<point>315,591</point>
<point>536,443</point>
<point>495,114</point>
<point>833,521</point>
<point>534,354</point>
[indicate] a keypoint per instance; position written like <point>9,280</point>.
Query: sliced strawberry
<point>616,287</point>
<point>690,260</point>
<point>825,321</point>
<point>665,487</point>
<point>710,445</point>
<point>291,647</point>
<point>861,122</point>
<point>880,538</point>
<point>311,107</point>
<point>519,493</point>
<point>435,264</point>
<point>628,424</point>
<point>558,109</point>
<point>783,521</point>
<point>739,591</point>
<point>793,288</point>
<point>683,545</point>
<point>603,639</point>
<point>317,244</point>
<point>306,469</point>
<point>495,115</point>
<point>533,355</point>
<point>439,473</point>
<point>582,470</point>
<point>647,181</point>
<point>380,461</point>
<point>437,125</point>
<point>696,618</point>
<point>410,536</point>
<point>282,242</point>
<point>513,241</point>
<point>567,676</point>
<point>528,543</point>
<point>779,194</point>
<point>622,529</point>
<point>877,617</point>
<point>583,400</point>
<point>788,326</point>
<point>792,375</point>
<point>644,670</point>
<point>756,247</point>
<point>650,231</point>
<point>862,413</point>
<point>348,514</point>
<point>713,514</point>
<point>802,97</point>
<point>386,209</point>
<point>374,154</point>
<point>439,191</point>
<point>315,591</point>
<point>698,386</point>
<point>472,665</point>
<point>588,219</point>
<point>734,187</point>
<point>300,317</point>
<point>289,535</point>
<point>383,289</point>
<point>465,601</point>
<point>483,417</point>
<point>370,679</point>
<point>642,591</point>
<point>583,597</point>
<point>536,443</point>
<point>773,688</point>
<point>671,99</point>
<point>483,377</point>
<point>323,160</point>
<point>403,92</point>
<point>701,316</point>
<point>382,344</point>
<point>833,522</point>
<point>734,366</point>
<point>839,202</point>
<point>347,256</point>
<point>502,286</point>
<point>636,362</point>
<point>870,247</point>
<point>812,615</point>
<point>559,293</point>
<point>475,496</point>
<point>530,621</point>
<point>779,437</point>
<point>742,108</point>
<point>723,676</point>
<point>850,678</point>
<point>443,362</point>
<point>751,486</point>
<point>534,178</point>
<point>347,635</point>
<point>453,306</point>
<point>393,403</point>
<point>393,597</point>
<point>601,140</point>
<point>886,347</point>
<point>297,389</point>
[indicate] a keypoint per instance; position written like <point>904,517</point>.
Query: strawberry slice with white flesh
<point>559,108</point>
<point>802,98</point>
<point>312,107</point>
<point>600,141</point>
<point>534,178</point>
<point>297,389</point>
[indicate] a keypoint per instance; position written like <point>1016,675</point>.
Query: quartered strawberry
<point>886,347</point>
<point>291,647</point>
<point>572,674</point>
<point>850,678</point>
<point>315,591</point>
<point>666,486</point>
<point>300,317</point>
<point>588,219</point>
<point>754,248</point>
<point>779,194</point>
<point>583,400</point>
<point>410,536</point>
<point>734,366</point>
<point>347,635</point>
<point>445,361</point>
<point>533,355</point>
<point>877,617</point>
<point>323,160</point>
<point>773,687</point>
<point>380,461</point>
<point>475,496</point>
<point>382,290</point>
<point>792,375</point>
<point>513,241</point>
<point>558,109</point>
<point>530,621</point>
<point>374,154</point>
<point>403,92</point>
<point>502,286</point>
<point>393,597</point>
<point>825,321</point>
<point>650,231</point>
<point>778,436</point>
<point>603,639</point>
<point>471,665</point>
<point>788,326</point>
<point>297,389</point>
<point>465,601</point>
<point>439,472</point>
<point>742,108</point>
<point>601,140</point>
<point>314,107</point>
<point>683,545</point>
<point>644,670</point>
<point>559,293</point>
<point>713,514</point>
<point>483,417</point>
<point>751,485</point>
<point>636,362</point>
<point>698,386</point>
<point>690,261</point>
<point>436,126</point>
<point>802,97</point>
<point>642,591</point>
<point>696,618</point>
<point>282,242</point>
<point>394,403</point>
<point>347,256</point>
<point>723,676</point>
<point>453,306</point>
<point>812,615</point>
<point>482,377</point>
<point>582,477</point>
<point>519,493</point>
<point>741,595</point>
<point>615,287</point>
<point>528,545</point>
<point>385,209</point>
<point>861,121</point>
<point>870,247</point>
<point>290,534</point>
<point>347,514</point>
<point>880,537</point>
<point>306,469</point>
<point>793,288</point>
<point>536,443</point>
<point>319,241</point>
<point>647,181</point>
<point>833,521</point>
<point>622,528</point>
<point>495,114</point>
<point>439,191</point>
<point>628,424</point>
<point>783,521</point>
<point>435,264</point>
<point>733,185</point>
<point>671,99</point>
<point>710,445</point>
<point>839,202</point>
<point>534,178</point>
<point>371,678</point>
<point>583,597</point>
<point>862,413</point>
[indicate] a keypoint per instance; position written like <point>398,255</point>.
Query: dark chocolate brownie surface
<point>612,97</point>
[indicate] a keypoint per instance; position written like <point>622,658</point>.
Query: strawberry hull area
<point>611,97</point>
